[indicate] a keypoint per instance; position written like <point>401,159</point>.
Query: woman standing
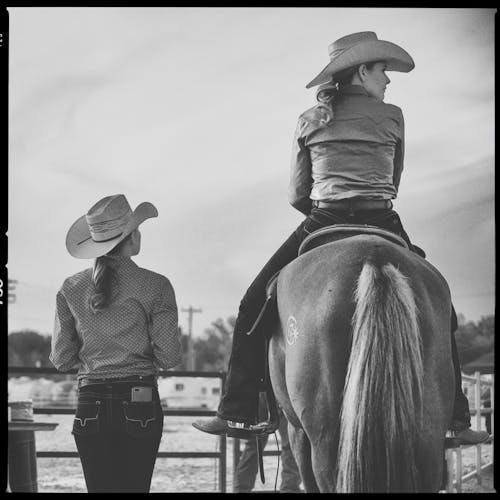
<point>116,323</point>
<point>347,161</point>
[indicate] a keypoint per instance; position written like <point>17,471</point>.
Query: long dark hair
<point>330,91</point>
<point>104,278</point>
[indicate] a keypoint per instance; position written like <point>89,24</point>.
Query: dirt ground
<point>486,486</point>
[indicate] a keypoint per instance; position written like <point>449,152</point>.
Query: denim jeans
<point>117,439</point>
<point>246,363</point>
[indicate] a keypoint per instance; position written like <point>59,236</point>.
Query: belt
<point>134,378</point>
<point>354,204</point>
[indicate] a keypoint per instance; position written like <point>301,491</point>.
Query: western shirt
<point>352,147</point>
<point>137,334</point>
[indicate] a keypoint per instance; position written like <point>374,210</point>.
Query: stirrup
<point>242,430</point>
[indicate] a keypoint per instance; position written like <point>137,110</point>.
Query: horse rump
<point>382,405</point>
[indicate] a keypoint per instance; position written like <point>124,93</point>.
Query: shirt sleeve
<point>65,344</point>
<point>300,172</point>
<point>399,155</point>
<point>164,330</point>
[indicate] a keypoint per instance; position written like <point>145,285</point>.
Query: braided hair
<point>328,92</point>
<point>104,278</point>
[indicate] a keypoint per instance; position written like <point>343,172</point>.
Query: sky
<point>194,110</point>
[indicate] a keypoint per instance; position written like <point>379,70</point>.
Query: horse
<point>360,362</point>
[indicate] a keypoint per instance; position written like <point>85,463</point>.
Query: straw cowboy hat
<point>105,225</point>
<point>359,48</point>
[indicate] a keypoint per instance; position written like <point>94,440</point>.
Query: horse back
<point>316,304</point>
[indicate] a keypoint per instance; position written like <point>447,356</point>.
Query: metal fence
<point>478,411</point>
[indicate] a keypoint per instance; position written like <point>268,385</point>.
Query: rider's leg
<point>461,416</point>
<point>239,401</point>
<point>461,422</point>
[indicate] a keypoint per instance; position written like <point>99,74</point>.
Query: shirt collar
<point>122,261</point>
<point>353,89</point>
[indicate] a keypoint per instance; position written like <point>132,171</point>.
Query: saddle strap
<point>261,315</point>
<point>260,454</point>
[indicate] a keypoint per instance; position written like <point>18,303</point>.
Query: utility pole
<point>11,291</point>
<point>190,310</point>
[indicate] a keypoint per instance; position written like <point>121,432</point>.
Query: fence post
<point>449,470</point>
<point>223,464</point>
<point>236,455</point>
<point>492,414</point>
<point>477,395</point>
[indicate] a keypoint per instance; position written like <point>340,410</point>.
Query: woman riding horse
<point>346,167</point>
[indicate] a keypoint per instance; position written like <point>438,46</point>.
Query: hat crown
<point>109,208</point>
<point>349,41</point>
<point>107,218</point>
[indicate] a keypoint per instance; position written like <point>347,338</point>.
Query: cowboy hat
<point>105,225</point>
<point>359,48</point>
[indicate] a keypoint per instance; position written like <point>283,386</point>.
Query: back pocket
<point>86,420</point>
<point>141,419</point>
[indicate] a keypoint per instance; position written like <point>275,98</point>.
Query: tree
<point>213,348</point>
<point>473,339</point>
<point>28,348</point>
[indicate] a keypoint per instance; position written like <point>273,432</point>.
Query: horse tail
<point>382,405</point>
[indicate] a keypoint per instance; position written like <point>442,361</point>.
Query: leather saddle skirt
<point>337,232</point>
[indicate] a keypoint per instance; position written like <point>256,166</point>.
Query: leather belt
<point>134,378</point>
<point>354,204</point>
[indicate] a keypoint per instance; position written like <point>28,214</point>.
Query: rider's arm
<point>65,344</point>
<point>399,155</point>
<point>300,172</point>
<point>163,329</point>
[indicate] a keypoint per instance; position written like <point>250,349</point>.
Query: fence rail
<point>455,483</point>
<point>221,455</point>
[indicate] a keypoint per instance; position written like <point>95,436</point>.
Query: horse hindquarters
<point>382,405</point>
<point>314,360</point>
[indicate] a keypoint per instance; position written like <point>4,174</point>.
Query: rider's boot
<point>467,435</point>
<point>269,419</point>
<point>242,430</point>
<point>460,426</point>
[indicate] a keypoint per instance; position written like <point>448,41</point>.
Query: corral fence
<point>475,384</point>
<point>455,480</point>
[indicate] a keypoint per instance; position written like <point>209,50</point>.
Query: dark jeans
<point>248,466</point>
<point>246,364</point>
<point>117,440</point>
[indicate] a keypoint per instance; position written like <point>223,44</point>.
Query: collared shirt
<point>352,148</point>
<point>135,335</point>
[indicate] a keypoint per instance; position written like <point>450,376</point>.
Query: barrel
<point>22,462</point>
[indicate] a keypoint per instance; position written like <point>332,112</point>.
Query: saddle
<point>337,232</point>
<point>317,238</point>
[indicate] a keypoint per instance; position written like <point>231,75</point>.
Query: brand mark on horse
<point>292,330</point>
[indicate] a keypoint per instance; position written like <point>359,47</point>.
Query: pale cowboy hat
<point>359,48</point>
<point>105,225</point>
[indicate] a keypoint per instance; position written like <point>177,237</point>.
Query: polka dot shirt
<point>137,334</point>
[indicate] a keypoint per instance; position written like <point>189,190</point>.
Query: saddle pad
<point>340,231</point>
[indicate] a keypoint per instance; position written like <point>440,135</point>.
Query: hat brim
<point>396,58</point>
<point>80,244</point>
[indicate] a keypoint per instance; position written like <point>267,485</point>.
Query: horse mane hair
<point>381,412</point>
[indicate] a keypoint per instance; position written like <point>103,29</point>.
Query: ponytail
<point>104,279</point>
<point>328,92</point>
